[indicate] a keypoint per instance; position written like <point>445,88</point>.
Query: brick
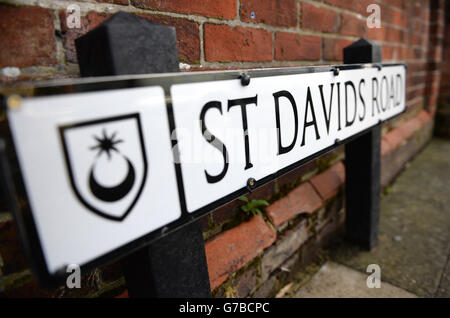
<point>224,9</point>
<point>225,212</point>
<point>398,18</point>
<point>328,182</point>
<point>417,103</point>
<point>416,79</point>
<point>123,295</point>
<point>188,40</point>
<point>122,2</point>
<point>350,25</point>
<point>246,282</point>
<point>393,35</point>
<point>268,289</point>
<point>285,246</point>
<point>30,289</point>
<point>223,43</point>
<point>228,211</point>
<point>409,127</point>
<point>272,12</point>
<point>303,199</point>
<point>291,178</point>
<point>414,67</point>
<point>333,49</point>
<point>392,164</point>
<point>415,39</point>
<point>438,66</point>
<point>111,272</point>
<point>188,36</point>
<point>27,36</point>
<point>394,138</point>
<point>328,234</point>
<point>385,148</point>
<point>319,18</point>
<point>387,52</point>
<point>375,34</point>
<point>424,117</point>
<point>415,93</point>
<point>295,47</point>
<point>397,3</point>
<point>88,22</point>
<point>241,285</point>
<point>359,6</point>
<point>231,250</point>
<point>432,89</point>
<point>264,192</point>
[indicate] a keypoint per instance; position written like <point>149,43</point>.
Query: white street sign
<point>273,123</point>
<point>60,140</point>
<point>104,168</point>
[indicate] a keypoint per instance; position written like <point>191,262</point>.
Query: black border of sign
<point>13,182</point>
<point>61,130</point>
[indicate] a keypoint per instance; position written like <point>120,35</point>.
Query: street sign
<point>97,169</point>
<point>272,123</point>
<point>108,164</point>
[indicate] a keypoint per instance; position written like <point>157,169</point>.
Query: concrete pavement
<point>413,249</point>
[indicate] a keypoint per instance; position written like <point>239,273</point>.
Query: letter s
<point>213,140</point>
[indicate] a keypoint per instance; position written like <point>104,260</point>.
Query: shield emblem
<point>106,163</point>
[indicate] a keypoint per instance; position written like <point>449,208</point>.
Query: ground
<point>413,248</point>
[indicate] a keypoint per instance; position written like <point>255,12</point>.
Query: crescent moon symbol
<point>115,193</point>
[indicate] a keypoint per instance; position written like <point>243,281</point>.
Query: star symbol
<point>106,144</point>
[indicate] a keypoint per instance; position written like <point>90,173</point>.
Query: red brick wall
<point>443,111</point>
<point>256,256</point>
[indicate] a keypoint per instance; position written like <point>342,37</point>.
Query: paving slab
<point>338,281</point>
<point>444,285</point>
<point>414,232</point>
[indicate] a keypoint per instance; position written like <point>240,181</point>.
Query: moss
<point>387,190</point>
<point>4,217</point>
<point>231,291</point>
<point>16,280</point>
<point>211,224</point>
<point>240,217</point>
<point>110,289</point>
<point>231,285</point>
<point>305,274</point>
<point>2,2</point>
<point>326,161</point>
<point>284,190</point>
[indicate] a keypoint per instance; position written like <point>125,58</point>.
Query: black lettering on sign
<point>327,115</point>
<point>339,105</point>
<point>392,93</point>
<point>349,122</point>
<point>213,140</point>
<point>244,102</point>
<point>286,94</point>
<point>375,96</point>
<point>312,122</point>
<point>384,102</point>
<point>398,89</point>
<point>362,81</point>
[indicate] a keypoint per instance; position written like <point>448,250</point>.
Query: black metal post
<point>174,265</point>
<point>363,165</point>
